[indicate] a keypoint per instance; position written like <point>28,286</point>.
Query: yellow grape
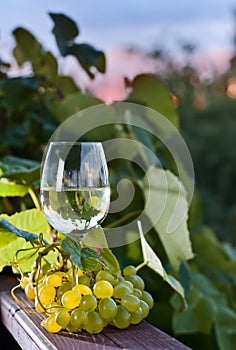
<point>103,289</point>
<point>54,280</point>
<point>51,325</point>
<point>84,290</point>
<point>47,294</point>
<point>25,280</point>
<point>29,291</point>
<point>63,288</point>
<point>71,299</point>
<point>37,305</point>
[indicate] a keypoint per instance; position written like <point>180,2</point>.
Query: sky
<point>113,26</point>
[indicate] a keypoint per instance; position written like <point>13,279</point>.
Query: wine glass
<point>75,191</point>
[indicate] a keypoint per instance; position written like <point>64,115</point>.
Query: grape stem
<point>144,263</point>
<point>34,198</point>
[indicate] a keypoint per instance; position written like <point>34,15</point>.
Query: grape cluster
<point>98,299</point>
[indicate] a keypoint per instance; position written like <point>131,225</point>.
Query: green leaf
<point>28,236</point>
<point>65,31</point>
<point>73,248</point>
<point>71,104</point>
<point>18,92</point>
<point>95,238</point>
<point>166,206</point>
<point>86,259</point>
<point>32,221</point>
<point>154,263</point>
<point>197,317</point>
<point>28,48</point>
<point>88,57</point>
<point>11,189</point>
<point>44,64</point>
<point>90,259</point>
<point>21,170</point>
<point>148,90</point>
<point>225,328</point>
<point>111,262</point>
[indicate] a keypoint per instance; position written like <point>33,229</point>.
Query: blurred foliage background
<point>31,108</point>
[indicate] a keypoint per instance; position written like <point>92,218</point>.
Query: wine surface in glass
<point>75,210</point>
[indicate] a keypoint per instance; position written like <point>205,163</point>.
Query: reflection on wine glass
<point>75,191</point>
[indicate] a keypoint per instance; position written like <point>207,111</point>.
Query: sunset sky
<point>113,26</point>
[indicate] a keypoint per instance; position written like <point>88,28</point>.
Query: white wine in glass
<point>75,191</point>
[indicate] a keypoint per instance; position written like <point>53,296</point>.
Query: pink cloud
<point>121,63</point>
<point>214,61</point>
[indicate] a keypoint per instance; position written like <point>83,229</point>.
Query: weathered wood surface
<point>30,335</point>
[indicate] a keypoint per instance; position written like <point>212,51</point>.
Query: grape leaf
<point>28,236</point>
<point>148,90</point>
<point>86,259</point>
<point>111,262</point>
<point>95,238</point>
<point>12,189</point>
<point>73,248</point>
<point>166,206</point>
<point>154,263</point>
<point>225,328</point>
<point>20,170</point>
<point>32,221</point>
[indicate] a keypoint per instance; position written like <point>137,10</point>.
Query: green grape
<point>107,308</point>
<point>51,325</point>
<point>120,290</point>
<point>54,280</point>
<point>84,280</point>
<point>127,284</point>
<point>146,296</point>
<point>122,318</point>
<point>88,302</point>
<point>63,288</point>
<point>71,328</point>
<point>69,275</point>
<point>103,289</point>
<point>71,299</point>
<point>121,278</point>
<point>47,294</point>
<point>136,316</point>
<point>95,323</point>
<point>130,302</point>
<point>129,270</point>
<point>29,291</point>
<point>138,293</point>
<point>145,308</point>
<point>136,280</point>
<point>79,318</point>
<point>62,317</point>
<point>106,276</point>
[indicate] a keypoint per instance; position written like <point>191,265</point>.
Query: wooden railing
<point>25,327</point>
